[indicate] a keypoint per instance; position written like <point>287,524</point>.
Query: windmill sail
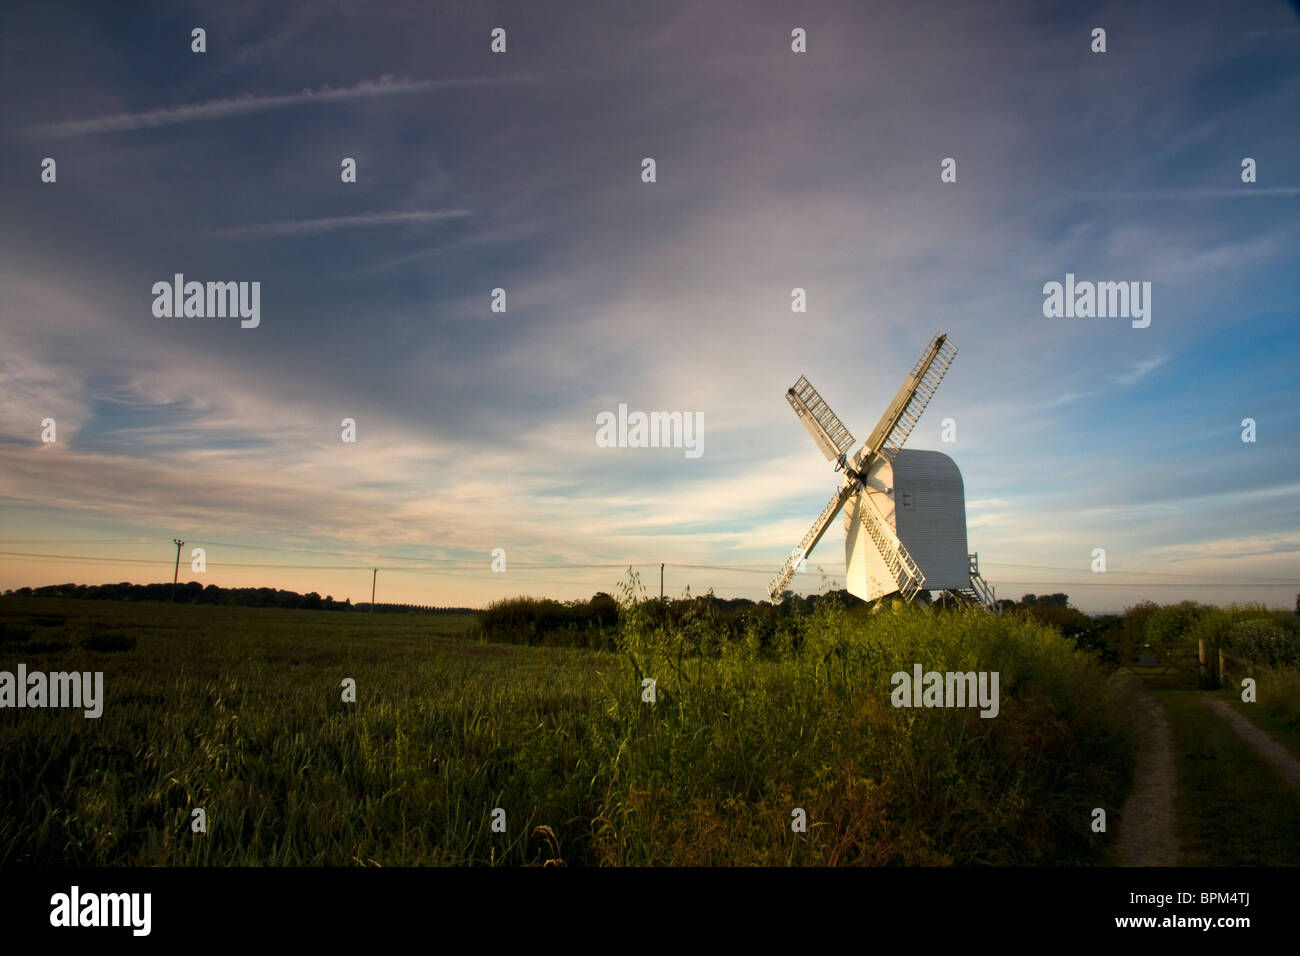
<point>906,408</point>
<point>830,434</point>
<point>908,578</point>
<point>811,538</point>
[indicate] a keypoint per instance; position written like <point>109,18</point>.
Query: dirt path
<point>1260,742</point>
<point>1148,833</point>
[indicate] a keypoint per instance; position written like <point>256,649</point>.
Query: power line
<point>80,540</point>
<point>1169,574</point>
<point>1138,584</point>
<point>457,563</point>
<point>459,567</point>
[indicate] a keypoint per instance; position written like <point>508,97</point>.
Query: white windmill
<point>904,511</point>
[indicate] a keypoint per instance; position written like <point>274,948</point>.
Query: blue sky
<point>522,170</point>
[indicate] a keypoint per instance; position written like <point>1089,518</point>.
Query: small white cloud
<point>1140,370</point>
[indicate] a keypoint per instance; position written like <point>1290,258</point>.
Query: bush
<point>1261,641</point>
<point>800,709</point>
<point>1135,621</point>
<point>1173,623</point>
<point>542,621</point>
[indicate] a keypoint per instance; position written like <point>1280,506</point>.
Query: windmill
<point>904,510</point>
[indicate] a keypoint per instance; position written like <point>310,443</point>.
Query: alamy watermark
<point>213,300</point>
<point>1098,300</point>
<point>75,908</point>
<point>56,689</point>
<point>950,689</point>
<point>653,430</point>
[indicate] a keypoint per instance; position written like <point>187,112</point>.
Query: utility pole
<point>372,590</point>
<point>176,573</point>
<point>661,581</point>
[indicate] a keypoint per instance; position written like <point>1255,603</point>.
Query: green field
<point>239,712</point>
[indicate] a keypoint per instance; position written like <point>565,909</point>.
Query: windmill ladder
<point>980,591</point>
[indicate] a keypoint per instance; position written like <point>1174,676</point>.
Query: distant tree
<point>1171,623</point>
<point>1135,621</point>
<point>1071,622</point>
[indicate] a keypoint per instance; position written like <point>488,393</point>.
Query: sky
<point>523,171</point>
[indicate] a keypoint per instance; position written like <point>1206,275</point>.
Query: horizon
<point>375,301</point>
<point>381,605</point>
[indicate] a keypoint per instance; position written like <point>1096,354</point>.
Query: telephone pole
<point>372,590</point>
<point>176,573</point>
<point>661,582</point>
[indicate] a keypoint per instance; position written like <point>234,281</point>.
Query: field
<point>240,712</point>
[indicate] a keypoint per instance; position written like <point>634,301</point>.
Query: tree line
<point>192,592</point>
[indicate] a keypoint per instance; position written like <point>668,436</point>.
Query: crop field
<point>460,752</point>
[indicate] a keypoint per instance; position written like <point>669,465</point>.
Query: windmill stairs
<point>980,591</point>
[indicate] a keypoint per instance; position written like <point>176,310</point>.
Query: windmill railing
<point>982,590</point>
<point>985,591</point>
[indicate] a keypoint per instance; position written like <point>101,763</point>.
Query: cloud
<point>243,105</point>
<point>477,429</point>
<point>1245,191</point>
<point>1066,399</point>
<point>306,227</point>
<point>1141,369</point>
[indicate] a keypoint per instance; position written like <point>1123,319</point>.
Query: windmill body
<point>919,494</point>
<point>904,510</point>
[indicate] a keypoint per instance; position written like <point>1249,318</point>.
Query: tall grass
<point>239,711</point>
<point>737,741</point>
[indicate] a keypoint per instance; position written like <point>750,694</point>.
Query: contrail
<point>303,227</point>
<point>240,105</point>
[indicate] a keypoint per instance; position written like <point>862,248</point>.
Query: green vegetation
<point>239,711</point>
<point>1276,709</point>
<point>596,623</point>
<point>192,592</point>
<point>1233,808</point>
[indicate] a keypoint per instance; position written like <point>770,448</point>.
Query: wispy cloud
<point>1243,192</point>
<point>1067,398</point>
<point>304,227</point>
<point>1141,369</point>
<point>241,105</point>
